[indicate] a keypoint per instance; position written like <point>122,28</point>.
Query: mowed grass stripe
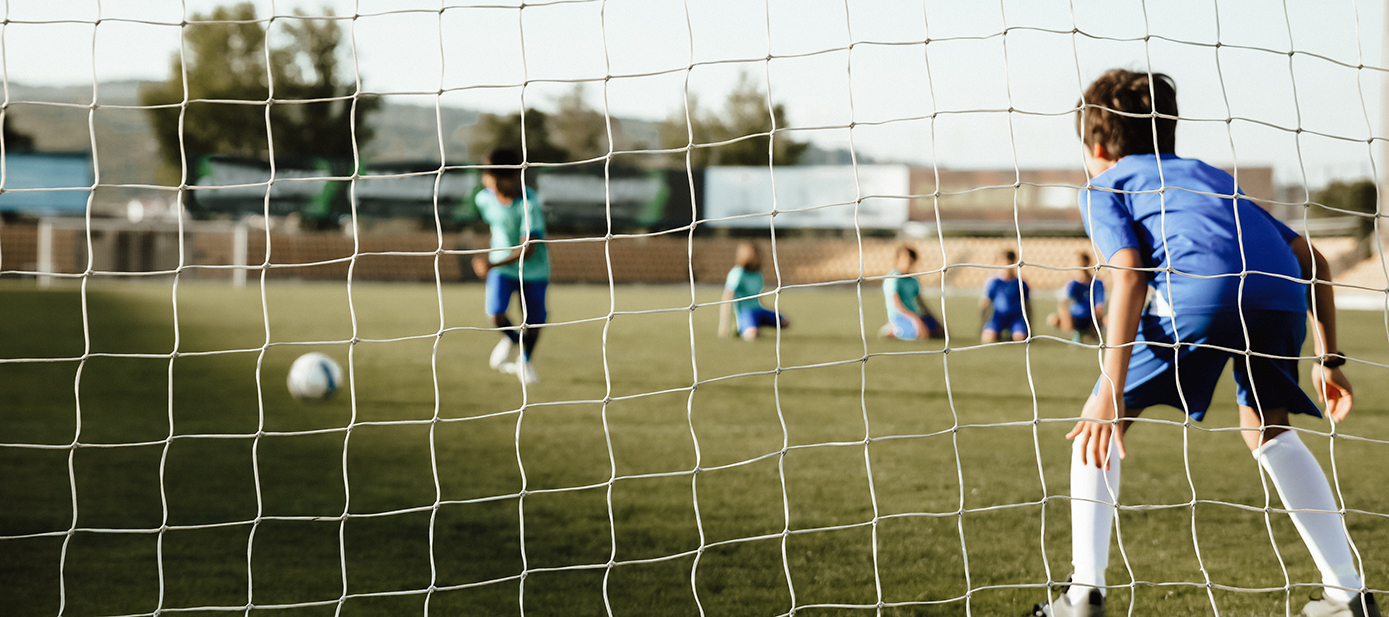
<point>954,464</point>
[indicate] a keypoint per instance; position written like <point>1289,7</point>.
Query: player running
<point>1007,302</point>
<point>907,316</point>
<point>517,262</point>
<point>740,292</point>
<point>1082,300</point>
<point>1228,278</point>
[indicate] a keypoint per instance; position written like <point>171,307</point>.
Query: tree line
<point>241,89</point>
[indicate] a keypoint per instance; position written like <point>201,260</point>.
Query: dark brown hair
<point>1010,257</point>
<point>508,179</point>
<point>748,258</point>
<point>1117,113</point>
<point>1084,258</point>
<point>911,252</point>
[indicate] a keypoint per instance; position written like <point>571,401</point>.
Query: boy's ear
<point>1099,152</point>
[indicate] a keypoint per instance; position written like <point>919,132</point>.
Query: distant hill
<point>61,120</point>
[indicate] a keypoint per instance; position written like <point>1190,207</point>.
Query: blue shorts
<point>1153,370</point>
<point>904,327</point>
<point>756,318</point>
<point>500,289</point>
<point>1084,324</point>
<point>1013,323</point>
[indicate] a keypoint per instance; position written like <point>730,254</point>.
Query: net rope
<point>698,378</point>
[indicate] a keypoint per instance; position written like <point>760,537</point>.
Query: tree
<point>16,141</point>
<point>578,128</point>
<point>496,131</point>
<point>226,60</point>
<point>1358,196</point>
<point>307,70</point>
<point>745,113</point>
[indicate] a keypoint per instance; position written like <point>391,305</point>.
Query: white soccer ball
<point>314,376</point>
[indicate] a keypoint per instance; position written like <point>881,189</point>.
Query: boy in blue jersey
<point>1219,267</point>
<point>1007,302</point>
<point>907,316</point>
<point>516,264</point>
<point>1081,305</point>
<point>740,293</point>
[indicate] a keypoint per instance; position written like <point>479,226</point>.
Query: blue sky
<point>887,84</point>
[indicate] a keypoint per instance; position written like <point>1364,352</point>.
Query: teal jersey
<point>509,228</point>
<point>906,288</point>
<point>744,286</point>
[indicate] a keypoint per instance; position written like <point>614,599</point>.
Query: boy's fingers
<point>1099,447</point>
<point>1339,404</point>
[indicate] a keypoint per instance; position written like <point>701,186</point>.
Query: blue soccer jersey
<point>1182,214</point>
<point>1008,300</point>
<point>1084,297</point>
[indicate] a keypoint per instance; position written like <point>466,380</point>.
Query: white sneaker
<point>521,368</point>
<point>1062,607</point>
<point>501,353</point>
<point>1326,607</point>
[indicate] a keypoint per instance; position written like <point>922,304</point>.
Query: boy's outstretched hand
<point>1096,430</point>
<point>1130,286</point>
<point>1333,388</point>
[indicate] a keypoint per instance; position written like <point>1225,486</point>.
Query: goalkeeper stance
<point>516,264</point>
<point>907,316</point>
<point>1141,189</point>
<point>740,292</point>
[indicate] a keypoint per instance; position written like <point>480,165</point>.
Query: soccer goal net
<point>661,362</point>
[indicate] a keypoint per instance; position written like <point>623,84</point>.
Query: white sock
<point>1091,521</point>
<point>1302,486</point>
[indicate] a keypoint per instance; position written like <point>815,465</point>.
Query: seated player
<point>1082,301</point>
<point>1147,203</point>
<point>1007,302</point>
<point>907,316</point>
<point>740,292</point>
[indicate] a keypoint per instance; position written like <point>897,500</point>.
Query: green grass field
<point>435,485</point>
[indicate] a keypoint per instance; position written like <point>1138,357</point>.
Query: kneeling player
<point>1082,301</point>
<point>1007,302</point>
<point>740,293</point>
<point>907,316</point>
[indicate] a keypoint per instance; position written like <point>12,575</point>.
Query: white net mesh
<point>157,465</point>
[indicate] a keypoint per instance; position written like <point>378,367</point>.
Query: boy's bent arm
<point>1331,384</point>
<point>1130,288</point>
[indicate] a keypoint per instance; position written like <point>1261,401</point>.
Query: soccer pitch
<point>963,505</point>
